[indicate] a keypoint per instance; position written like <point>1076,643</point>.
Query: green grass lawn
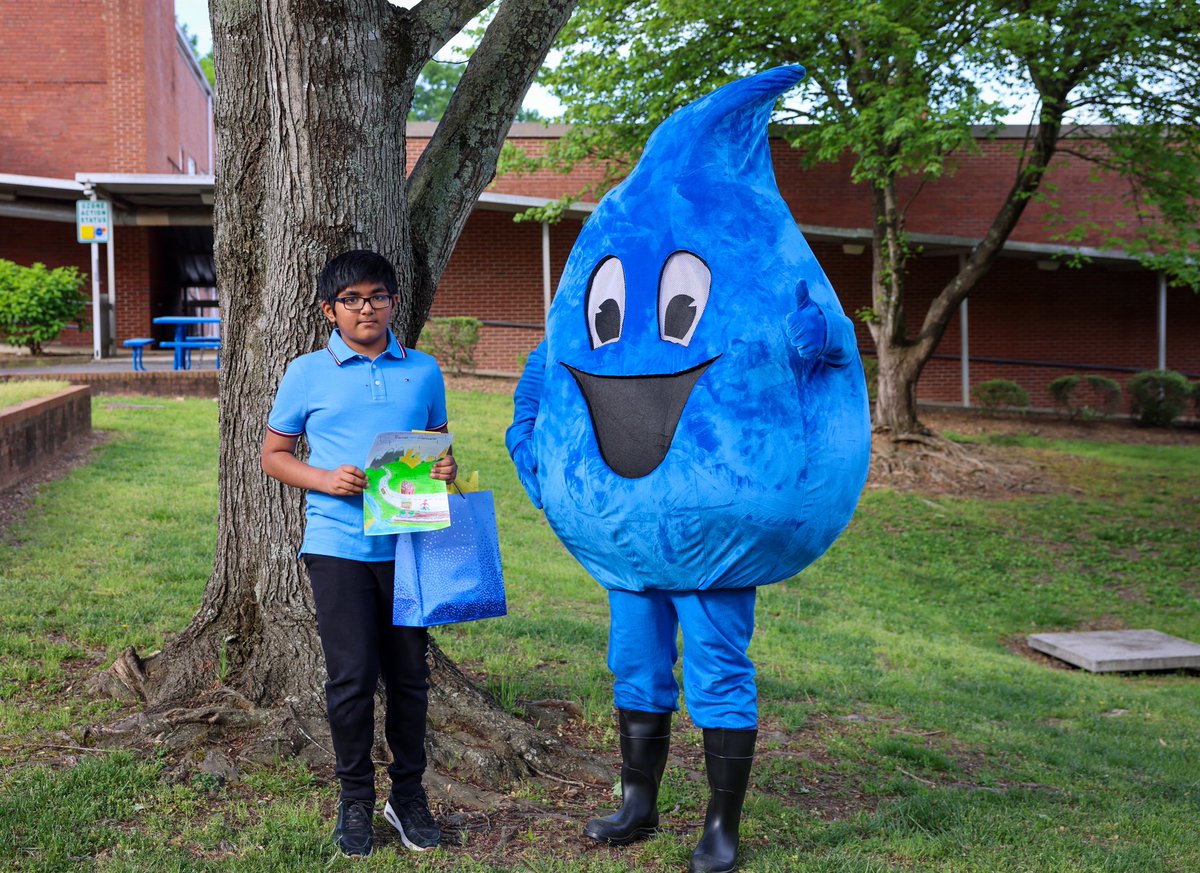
<point>903,727</point>
<point>14,392</point>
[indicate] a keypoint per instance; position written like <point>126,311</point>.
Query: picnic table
<point>184,344</point>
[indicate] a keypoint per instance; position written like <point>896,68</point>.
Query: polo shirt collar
<point>342,352</point>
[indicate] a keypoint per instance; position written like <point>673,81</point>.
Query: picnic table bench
<point>184,348</point>
<point>183,344</point>
<point>138,344</point>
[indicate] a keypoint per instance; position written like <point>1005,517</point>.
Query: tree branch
<point>981,257</point>
<point>460,159</point>
<point>435,22</point>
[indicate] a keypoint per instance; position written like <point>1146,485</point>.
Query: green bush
<point>1196,397</point>
<point>1086,396</point>
<point>452,341</point>
<point>1000,392</point>
<point>1158,397</point>
<point>37,303</point>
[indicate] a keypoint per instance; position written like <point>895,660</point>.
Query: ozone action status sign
<point>93,221</point>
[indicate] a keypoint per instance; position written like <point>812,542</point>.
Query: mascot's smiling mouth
<point>634,417</point>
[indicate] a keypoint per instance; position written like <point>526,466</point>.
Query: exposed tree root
<point>931,464</point>
<point>475,749</point>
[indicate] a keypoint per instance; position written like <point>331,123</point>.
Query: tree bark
<point>310,111</point>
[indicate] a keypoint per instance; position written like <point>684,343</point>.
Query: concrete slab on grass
<point>1113,651</point>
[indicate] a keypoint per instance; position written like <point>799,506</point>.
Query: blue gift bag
<point>454,574</point>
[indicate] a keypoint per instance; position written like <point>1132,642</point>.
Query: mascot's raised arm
<point>694,425</point>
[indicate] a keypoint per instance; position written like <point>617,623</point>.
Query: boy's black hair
<point>350,268</point>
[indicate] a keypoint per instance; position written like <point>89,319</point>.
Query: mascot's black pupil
<point>681,312</point>
<point>608,321</point>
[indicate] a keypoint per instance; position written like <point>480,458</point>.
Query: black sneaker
<point>414,822</point>
<point>354,835</point>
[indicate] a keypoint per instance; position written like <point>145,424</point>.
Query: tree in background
<point>436,85</point>
<point>205,61</point>
<point>311,105</point>
<point>897,86</point>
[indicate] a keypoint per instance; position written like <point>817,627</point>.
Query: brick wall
<point>53,86</point>
<point>1087,320</point>
<point>495,274</point>
<point>962,203</point>
<point>96,88</point>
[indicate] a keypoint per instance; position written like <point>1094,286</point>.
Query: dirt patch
<point>998,471</point>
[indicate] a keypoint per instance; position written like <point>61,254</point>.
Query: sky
<point>194,13</point>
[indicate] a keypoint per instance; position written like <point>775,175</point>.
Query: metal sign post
<point>93,225</point>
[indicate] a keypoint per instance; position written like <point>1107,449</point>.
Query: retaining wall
<point>165,383</point>
<point>33,432</point>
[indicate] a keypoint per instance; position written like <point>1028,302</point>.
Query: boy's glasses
<point>377,301</point>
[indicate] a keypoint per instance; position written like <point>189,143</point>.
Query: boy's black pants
<point>354,619</point>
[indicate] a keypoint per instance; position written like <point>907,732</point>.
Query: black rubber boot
<point>728,756</point>
<point>645,740</point>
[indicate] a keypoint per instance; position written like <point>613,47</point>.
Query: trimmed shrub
<point>1086,396</point>
<point>37,304</point>
<point>452,341</point>
<point>1158,397</point>
<point>996,393</point>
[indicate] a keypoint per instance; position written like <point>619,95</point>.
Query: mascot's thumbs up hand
<point>816,333</point>
<point>806,326</point>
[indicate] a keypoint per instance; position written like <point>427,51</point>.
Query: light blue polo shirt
<point>339,400</point>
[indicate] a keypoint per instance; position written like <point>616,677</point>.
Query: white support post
<point>112,288</point>
<point>546,270</point>
<point>965,343</point>
<point>97,314</point>
<point>1162,321</point>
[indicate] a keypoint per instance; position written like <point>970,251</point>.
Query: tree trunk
<point>310,161</point>
<point>896,393</point>
<point>901,356</point>
<point>311,107</point>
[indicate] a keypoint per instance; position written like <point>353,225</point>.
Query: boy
<point>363,383</point>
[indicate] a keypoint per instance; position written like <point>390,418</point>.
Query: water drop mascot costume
<point>694,425</point>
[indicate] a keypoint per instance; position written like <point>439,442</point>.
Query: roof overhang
<point>515,203</point>
<point>174,200</point>
<point>858,240</point>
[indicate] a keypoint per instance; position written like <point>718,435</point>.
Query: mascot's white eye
<point>606,302</point>
<point>682,296</point>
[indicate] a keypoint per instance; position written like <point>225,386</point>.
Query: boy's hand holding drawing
<point>346,481</point>
<point>406,482</point>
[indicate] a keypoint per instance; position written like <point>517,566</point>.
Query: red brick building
<point>111,102</point>
<point>92,94</point>
<point>1032,319</point>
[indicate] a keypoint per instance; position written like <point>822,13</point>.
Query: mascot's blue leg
<point>641,650</point>
<point>722,699</point>
<point>718,675</point>
<point>641,655</point>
